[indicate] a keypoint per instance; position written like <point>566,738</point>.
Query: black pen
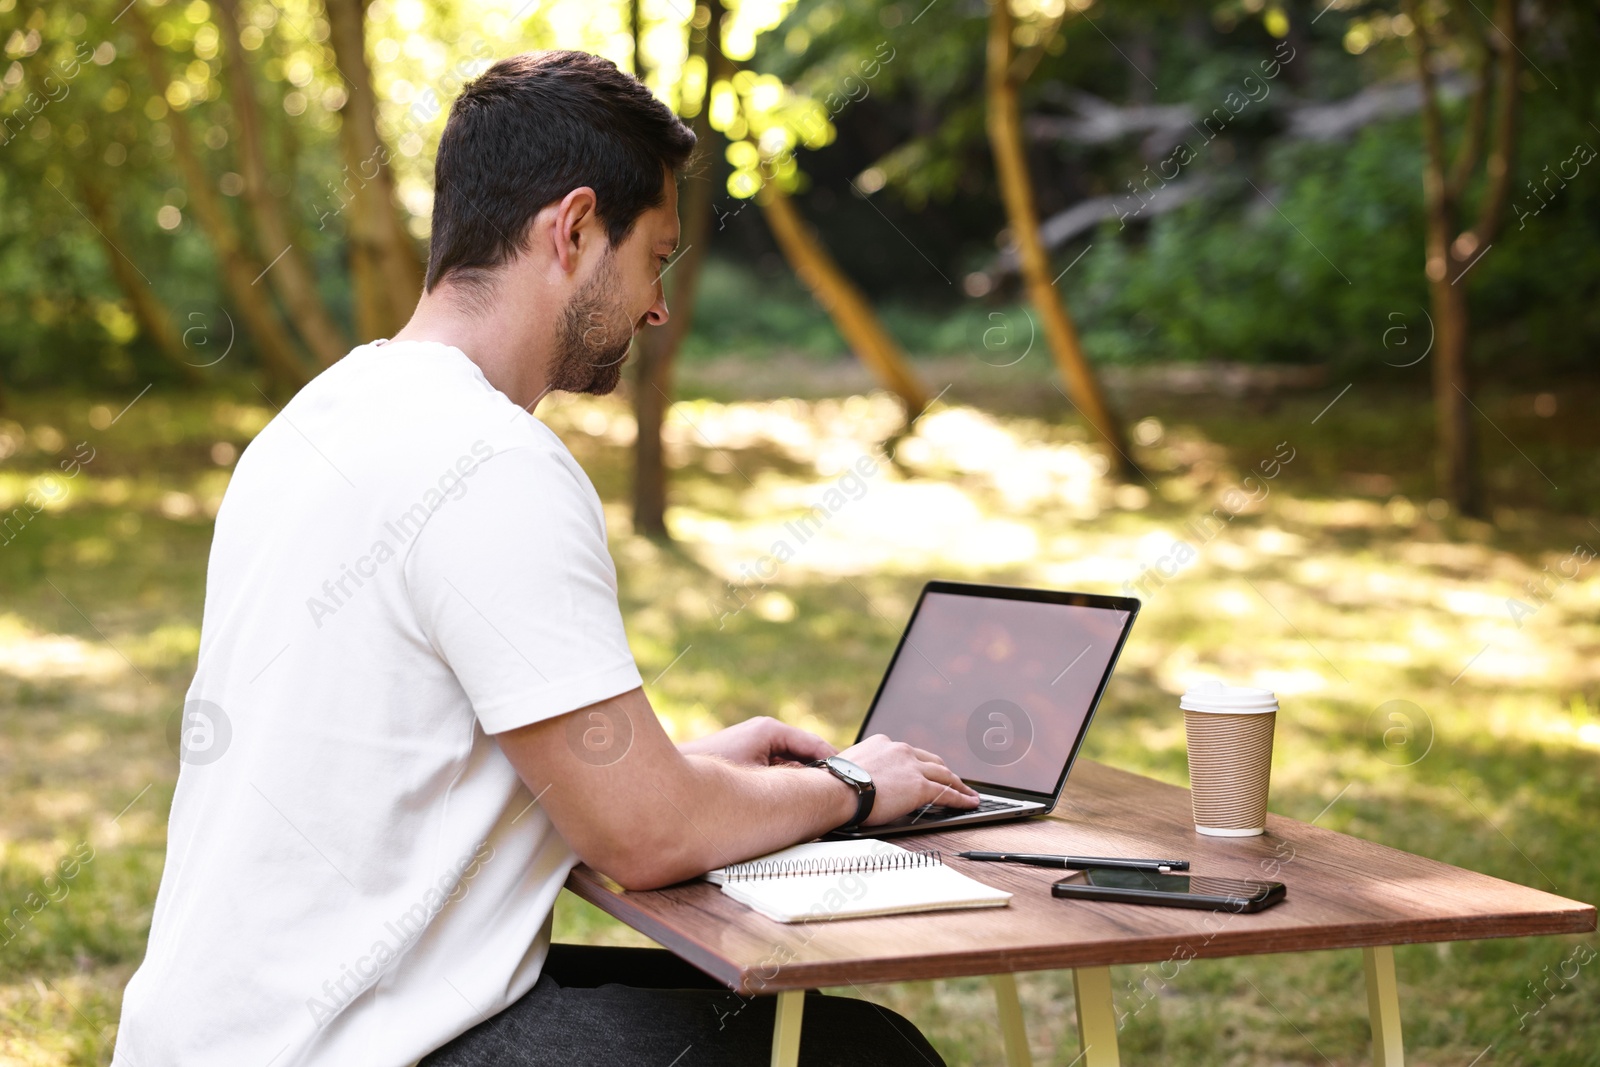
<point>1076,863</point>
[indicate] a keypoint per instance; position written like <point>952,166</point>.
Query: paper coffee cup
<point>1229,729</point>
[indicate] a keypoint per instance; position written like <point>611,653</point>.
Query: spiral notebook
<point>851,880</point>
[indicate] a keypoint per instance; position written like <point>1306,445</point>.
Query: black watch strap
<point>857,779</point>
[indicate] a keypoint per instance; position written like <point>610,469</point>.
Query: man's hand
<point>649,813</point>
<point>760,742</point>
<point>906,778</point>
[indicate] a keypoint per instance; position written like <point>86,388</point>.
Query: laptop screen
<point>1000,689</point>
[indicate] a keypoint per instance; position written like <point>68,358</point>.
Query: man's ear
<point>574,227</point>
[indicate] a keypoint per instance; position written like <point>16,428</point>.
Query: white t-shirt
<point>405,563</point>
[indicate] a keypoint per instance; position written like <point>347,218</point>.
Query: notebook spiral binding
<point>758,869</point>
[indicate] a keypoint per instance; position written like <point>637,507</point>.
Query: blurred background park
<point>1279,314</point>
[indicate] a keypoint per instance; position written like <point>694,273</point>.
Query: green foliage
<point>754,314</point>
<point>1315,274</point>
<point>1297,270</point>
<point>1312,263</point>
<point>737,310</point>
<point>108,135</point>
<point>1299,252</point>
<point>1314,278</point>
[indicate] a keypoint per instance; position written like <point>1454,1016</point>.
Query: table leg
<point>1097,1017</point>
<point>1383,1006</point>
<point>1013,1029</point>
<point>786,1028</point>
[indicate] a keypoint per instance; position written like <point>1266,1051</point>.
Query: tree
<point>657,349</point>
<point>1450,250</point>
<point>290,275</point>
<point>148,310</point>
<point>263,259</point>
<point>760,176</point>
<point>386,272</point>
<point>850,310</point>
<point>240,267</point>
<point>767,122</point>
<point>1016,190</point>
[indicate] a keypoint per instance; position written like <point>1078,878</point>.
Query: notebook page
<point>859,894</point>
<point>841,851</point>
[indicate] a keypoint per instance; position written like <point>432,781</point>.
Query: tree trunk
<point>386,271</point>
<point>636,25</point>
<point>279,353</point>
<point>844,303</point>
<point>1016,188</point>
<point>151,314</point>
<point>1449,255</point>
<point>1455,452</point>
<point>1457,457</point>
<point>657,348</point>
<point>290,276</point>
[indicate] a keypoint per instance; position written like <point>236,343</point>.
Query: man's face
<point>621,295</point>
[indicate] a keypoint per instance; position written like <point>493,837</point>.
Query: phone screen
<point>1174,884</point>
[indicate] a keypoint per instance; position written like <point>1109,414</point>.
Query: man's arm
<point>636,808</point>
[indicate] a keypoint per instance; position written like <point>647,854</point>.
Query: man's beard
<point>594,338</point>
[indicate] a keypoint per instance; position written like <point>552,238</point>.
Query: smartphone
<point>1170,890</point>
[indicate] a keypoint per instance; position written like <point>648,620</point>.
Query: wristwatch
<point>856,779</point>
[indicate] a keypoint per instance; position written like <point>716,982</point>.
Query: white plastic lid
<point>1225,699</point>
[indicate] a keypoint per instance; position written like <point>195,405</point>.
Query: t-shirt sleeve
<point>513,585</point>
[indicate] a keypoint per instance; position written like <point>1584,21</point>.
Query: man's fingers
<point>951,787</point>
<point>929,757</point>
<point>937,770</point>
<point>791,740</point>
<point>945,776</point>
<point>948,796</point>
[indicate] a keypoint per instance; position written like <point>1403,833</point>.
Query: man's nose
<point>657,315</point>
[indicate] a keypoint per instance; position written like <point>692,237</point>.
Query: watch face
<point>850,770</point>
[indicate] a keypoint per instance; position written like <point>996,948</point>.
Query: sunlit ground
<point>1338,583</point>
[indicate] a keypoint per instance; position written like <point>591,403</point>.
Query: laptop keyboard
<point>933,813</point>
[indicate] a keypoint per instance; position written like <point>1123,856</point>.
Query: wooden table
<point>1343,893</point>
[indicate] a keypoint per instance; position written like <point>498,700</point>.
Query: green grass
<point>1340,591</point>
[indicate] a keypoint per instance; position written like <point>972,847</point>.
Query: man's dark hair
<point>527,132</point>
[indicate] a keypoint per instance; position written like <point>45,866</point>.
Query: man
<point>421,703</point>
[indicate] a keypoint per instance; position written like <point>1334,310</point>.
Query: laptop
<point>1001,683</point>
